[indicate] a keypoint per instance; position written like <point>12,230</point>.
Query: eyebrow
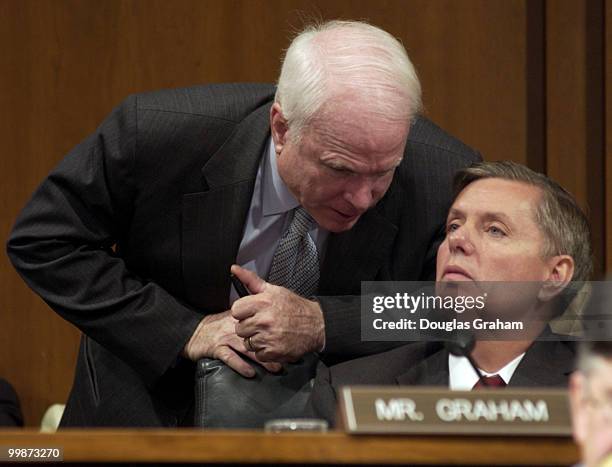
<point>489,215</point>
<point>340,164</point>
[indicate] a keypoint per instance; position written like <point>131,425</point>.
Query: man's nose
<point>460,241</point>
<point>360,194</point>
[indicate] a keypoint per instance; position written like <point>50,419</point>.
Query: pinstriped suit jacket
<point>131,238</point>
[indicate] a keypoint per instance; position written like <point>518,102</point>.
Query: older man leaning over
<point>506,224</point>
<point>326,180</point>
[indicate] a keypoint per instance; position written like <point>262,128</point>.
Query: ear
<point>560,273</point>
<point>278,127</point>
<point>578,407</point>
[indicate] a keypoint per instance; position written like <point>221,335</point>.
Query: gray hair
<point>592,354</point>
<point>597,346</point>
<point>325,59</point>
<point>564,225</point>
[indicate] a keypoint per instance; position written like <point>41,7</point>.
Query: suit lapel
<point>546,363</point>
<point>431,371</point>
<point>213,220</point>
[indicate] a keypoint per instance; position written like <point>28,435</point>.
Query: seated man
<point>591,384</point>
<point>591,398</point>
<point>506,224</point>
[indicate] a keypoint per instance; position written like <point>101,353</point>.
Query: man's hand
<point>215,337</point>
<point>282,325</point>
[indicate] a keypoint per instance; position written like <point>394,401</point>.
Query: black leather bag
<point>225,399</point>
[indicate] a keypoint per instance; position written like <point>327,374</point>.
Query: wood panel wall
<point>575,108</point>
<point>608,136</point>
<point>518,79</point>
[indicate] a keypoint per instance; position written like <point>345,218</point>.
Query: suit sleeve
<point>63,241</point>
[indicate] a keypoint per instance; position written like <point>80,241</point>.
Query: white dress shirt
<point>462,377</point>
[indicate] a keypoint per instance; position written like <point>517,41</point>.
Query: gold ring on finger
<point>249,344</point>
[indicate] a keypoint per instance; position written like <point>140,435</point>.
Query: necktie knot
<point>494,381</point>
<point>302,221</point>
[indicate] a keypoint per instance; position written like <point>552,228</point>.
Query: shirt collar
<point>277,199</point>
<point>462,376</point>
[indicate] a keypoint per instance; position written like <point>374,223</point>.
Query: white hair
<point>328,59</point>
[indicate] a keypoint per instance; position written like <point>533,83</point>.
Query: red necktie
<point>490,382</point>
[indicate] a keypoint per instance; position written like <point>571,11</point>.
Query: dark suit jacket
<point>10,410</point>
<point>547,363</point>
<point>131,238</point>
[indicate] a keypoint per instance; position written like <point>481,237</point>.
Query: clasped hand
<point>281,325</point>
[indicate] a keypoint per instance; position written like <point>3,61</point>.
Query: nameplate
<point>424,410</point>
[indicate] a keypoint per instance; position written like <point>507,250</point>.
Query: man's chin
<point>338,225</point>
